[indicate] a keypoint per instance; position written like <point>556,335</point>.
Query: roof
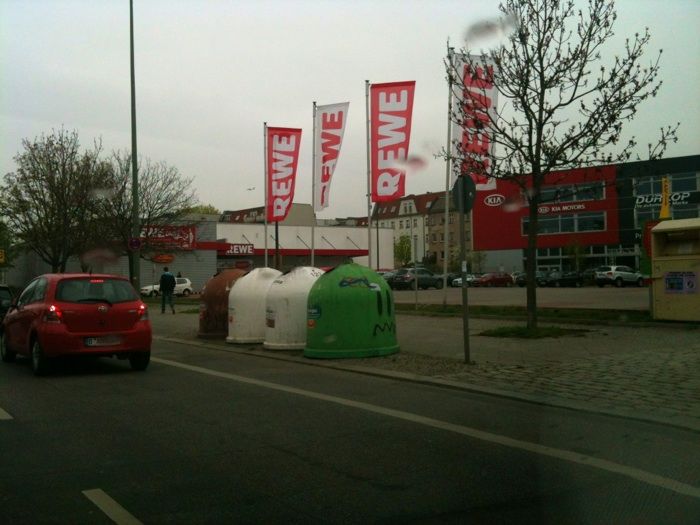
<point>677,225</point>
<point>391,209</point>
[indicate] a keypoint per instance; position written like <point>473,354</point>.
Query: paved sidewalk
<point>648,373</point>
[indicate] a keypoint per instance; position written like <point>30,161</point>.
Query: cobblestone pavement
<point>650,373</point>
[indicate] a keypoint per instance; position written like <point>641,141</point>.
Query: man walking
<point>167,286</point>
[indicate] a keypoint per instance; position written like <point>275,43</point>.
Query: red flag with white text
<point>391,107</point>
<point>282,160</point>
<point>329,128</point>
<point>472,136</point>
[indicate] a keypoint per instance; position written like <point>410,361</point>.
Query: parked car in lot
<point>77,314</point>
<point>494,279</point>
<point>471,279</point>
<point>558,279</point>
<point>183,286</point>
<point>617,276</point>
<point>541,279</point>
<point>5,301</point>
<point>405,278</point>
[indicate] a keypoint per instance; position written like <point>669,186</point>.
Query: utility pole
<point>135,221</point>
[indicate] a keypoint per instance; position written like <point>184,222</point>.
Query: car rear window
<point>85,290</point>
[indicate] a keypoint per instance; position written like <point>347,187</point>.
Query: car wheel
<point>578,284</point>
<point>509,284</point>
<point>640,282</point>
<point>139,360</point>
<point>557,284</point>
<point>438,284</point>
<point>40,363</point>
<point>186,293</point>
<point>6,354</point>
<point>600,285</point>
<point>153,293</point>
<point>619,283</point>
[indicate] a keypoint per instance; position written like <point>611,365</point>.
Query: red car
<point>495,279</point>
<point>72,314</point>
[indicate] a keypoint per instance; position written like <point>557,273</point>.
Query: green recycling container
<point>350,314</point>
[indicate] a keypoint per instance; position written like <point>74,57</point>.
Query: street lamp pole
<point>135,223</point>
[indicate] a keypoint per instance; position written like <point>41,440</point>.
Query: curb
<point>443,383</point>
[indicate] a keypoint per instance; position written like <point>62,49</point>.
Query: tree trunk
<point>531,263</point>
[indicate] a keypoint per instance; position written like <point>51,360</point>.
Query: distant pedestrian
<point>179,275</point>
<point>167,287</point>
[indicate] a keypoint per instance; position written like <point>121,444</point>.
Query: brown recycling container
<point>213,306</point>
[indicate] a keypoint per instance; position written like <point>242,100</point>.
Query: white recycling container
<point>285,312</point>
<point>246,306</point>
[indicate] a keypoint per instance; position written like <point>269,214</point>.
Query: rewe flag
<point>472,139</point>
<point>329,128</point>
<point>282,159</point>
<point>391,106</point>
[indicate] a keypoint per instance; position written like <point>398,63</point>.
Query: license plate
<point>105,340</point>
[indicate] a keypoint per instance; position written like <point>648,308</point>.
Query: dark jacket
<point>167,282</point>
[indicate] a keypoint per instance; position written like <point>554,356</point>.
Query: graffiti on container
<point>386,327</point>
<point>358,282</point>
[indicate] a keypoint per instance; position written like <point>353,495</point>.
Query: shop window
<point>591,222</point>
<point>684,182</point>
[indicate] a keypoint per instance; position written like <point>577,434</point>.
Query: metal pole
<point>415,269</point>
<point>265,185</point>
<point>135,223</point>
<point>377,233</point>
<point>448,165</point>
<point>313,187</point>
<point>277,245</point>
<point>369,183</point>
<point>463,259</point>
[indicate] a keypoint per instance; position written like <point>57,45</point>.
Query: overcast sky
<point>209,73</point>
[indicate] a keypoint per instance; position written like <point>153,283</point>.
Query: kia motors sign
<point>495,199</point>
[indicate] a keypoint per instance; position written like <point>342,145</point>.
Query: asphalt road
<point>206,436</point>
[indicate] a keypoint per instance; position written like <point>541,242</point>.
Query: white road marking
<point>4,415</point>
<point>566,455</point>
<point>111,508</point>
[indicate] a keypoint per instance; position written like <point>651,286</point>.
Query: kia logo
<point>495,199</point>
<point>102,309</point>
<point>543,210</point>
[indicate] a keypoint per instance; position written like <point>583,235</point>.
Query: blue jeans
<point>166,297</point>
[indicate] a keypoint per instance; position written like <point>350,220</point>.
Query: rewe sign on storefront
<point>240,249</point>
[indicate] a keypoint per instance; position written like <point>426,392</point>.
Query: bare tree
<point>559,107</point>
<point>50,200</point>
<point>164,197</point>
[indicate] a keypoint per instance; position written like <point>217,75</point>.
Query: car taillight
<point>53,315</point>
<point>609,274</point>
<point>143,312</point>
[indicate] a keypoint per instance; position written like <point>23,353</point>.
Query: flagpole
<point>448,164</point>
<point>369,184</point>
<point>265,200</point>
<point>313,187</point>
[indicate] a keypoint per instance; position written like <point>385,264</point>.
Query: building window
<point>581,222</point>
<point>415,223</point>
<point>590,222</point>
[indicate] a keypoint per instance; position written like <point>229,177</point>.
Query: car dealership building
<point>587,217</point>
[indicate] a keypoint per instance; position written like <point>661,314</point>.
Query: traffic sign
<point>134,244</point>
<point>468,193</point>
